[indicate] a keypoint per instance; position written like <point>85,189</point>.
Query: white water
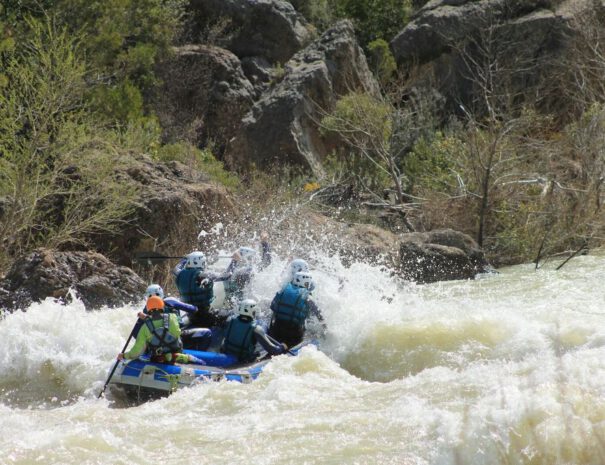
<point>503,370</point>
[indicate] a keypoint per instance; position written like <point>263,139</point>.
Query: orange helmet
<point>155,303</point>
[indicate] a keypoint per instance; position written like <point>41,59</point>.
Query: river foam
<point>509,369</point>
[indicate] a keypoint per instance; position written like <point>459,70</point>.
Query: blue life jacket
<point>239,339</point>
<point>291,305</point>
<point>187,282</point>
<point>162,342</point>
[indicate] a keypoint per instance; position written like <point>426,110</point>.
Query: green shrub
<point>433,164</point>
<point>57,171</point>
<point>318,12</point>
<point>365,123</point>
<point>374,19</point>
<point>201,160</point>
<point>382,60</point>
<point>121,103</point>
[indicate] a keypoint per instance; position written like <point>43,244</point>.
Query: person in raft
<point>243,333</point>
<point>291,307</point>
<point>196,287</point>
<point>244,263</point>
<point>160,337</point>
<point>195,338</point>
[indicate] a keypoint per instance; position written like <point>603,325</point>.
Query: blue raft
<point>143,379</point>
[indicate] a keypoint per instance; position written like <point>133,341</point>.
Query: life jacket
<point>187,281</point>
<point>239,339</point>
<point>291,305</point>
<point>162,342</point>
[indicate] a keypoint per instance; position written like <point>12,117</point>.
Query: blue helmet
<point>154,289</point>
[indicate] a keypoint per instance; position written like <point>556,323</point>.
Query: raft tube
<point>143,379</point>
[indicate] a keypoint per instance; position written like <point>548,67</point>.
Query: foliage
<point>373,19</point>
<point>202,160</point>
<point>432,165</point>
<point>122,40</point>
<point>367,124</point>
<point>56,172</point>
<point>318,12</point>
<point>382,61</point>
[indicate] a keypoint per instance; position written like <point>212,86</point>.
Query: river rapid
<point>506,369</point>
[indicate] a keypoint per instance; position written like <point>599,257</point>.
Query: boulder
<point>440,255</point>
<point>259,72</point>
<point>49,273</point>
<point>271,29</point>
<point>529,36</point>
<point>205,95</point>
<point>175,203</point>
<point>282,128</point>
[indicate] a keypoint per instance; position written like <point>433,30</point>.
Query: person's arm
<point>271,347</point>
<point>235,259</point>
<point>140,321</point>
<point>173,326</point>
<point>178,305</point>
<point>314,310</point>
<point>265,250</point>
<point>179,267</point>
<point>219,277</point>
<point>140,343</point>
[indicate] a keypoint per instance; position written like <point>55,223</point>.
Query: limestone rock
<point>281,128</point>
<point>268,28</point>
<point>440,255</point>
<point>175,203</point>
<point>204,96</point>
<point>49,273</point>
<point>529,36</point>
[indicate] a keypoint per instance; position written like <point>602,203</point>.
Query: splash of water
<point>504,370</point>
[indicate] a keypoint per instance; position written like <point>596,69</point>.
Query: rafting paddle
<point>152,258</point>
<point>117,361</point>
<point>275,341</point>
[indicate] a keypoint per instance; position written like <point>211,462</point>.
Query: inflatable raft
<point>142,379</point>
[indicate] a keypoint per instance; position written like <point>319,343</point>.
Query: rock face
<point>205,95</point>
<point>271,29</point>
<point>281,128</point>
<point>528,36</point>
<point>442,23</point>
<point>440,255</point>
<point>46,273</point>
<point>175,203</point>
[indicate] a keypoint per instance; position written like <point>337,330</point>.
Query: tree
<point>499,116</point>
<point>379,134</point>
<point>57,167</point>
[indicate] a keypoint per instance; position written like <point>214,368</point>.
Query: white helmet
<point>303,279</point>
<point>154,289</point>
<point>247,307</point>
<point>196,260</point>
<point>297,265</point>
<point>248,255</point>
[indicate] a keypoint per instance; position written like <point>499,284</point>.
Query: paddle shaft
<point>156,257</point>
<point>113,370</point>
<point>275,341</point>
